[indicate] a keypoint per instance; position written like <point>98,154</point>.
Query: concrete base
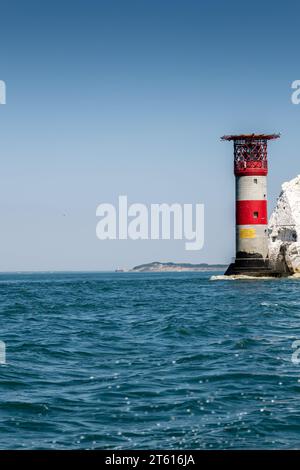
<point>256,267</point>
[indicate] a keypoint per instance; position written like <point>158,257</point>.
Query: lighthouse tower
<point>251,169</point>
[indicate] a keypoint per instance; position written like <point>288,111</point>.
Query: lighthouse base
<point>251,265</point>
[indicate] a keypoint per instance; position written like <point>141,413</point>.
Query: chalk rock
<point>284,229</point>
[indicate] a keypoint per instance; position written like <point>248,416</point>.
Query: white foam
<point>241,277</point>
<point>236,277</point>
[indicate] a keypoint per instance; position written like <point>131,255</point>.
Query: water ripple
<point>170,360</point>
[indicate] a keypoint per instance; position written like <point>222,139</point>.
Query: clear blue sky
<point>131,97</point>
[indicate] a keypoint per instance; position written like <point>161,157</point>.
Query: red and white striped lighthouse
<point>251,169</point>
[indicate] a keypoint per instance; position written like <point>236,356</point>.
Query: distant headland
<point>156,266</point>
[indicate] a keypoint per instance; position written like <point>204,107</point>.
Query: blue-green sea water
<point>131,360</point>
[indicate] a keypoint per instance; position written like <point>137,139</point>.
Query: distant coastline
<point>156,266</point>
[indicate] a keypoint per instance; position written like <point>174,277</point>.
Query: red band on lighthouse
<point>251,212</point>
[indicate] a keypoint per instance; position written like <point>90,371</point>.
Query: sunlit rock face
<point>284,229</point>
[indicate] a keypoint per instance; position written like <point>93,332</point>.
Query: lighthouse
<point>250,170</point>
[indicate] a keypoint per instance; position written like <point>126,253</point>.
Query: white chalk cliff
<point>284,229</point>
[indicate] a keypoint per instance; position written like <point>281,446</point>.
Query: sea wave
<point>236,277</point>
<point>99,361</point>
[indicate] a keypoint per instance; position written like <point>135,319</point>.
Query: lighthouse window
<point>255,180</point>
<point>255,215</point>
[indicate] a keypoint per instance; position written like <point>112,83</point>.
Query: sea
<point>149,361</point>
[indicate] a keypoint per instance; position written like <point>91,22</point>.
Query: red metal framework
<point>250,153</point>
<point>250,158</point>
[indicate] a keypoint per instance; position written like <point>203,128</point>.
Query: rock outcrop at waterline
<point>284,230</point>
